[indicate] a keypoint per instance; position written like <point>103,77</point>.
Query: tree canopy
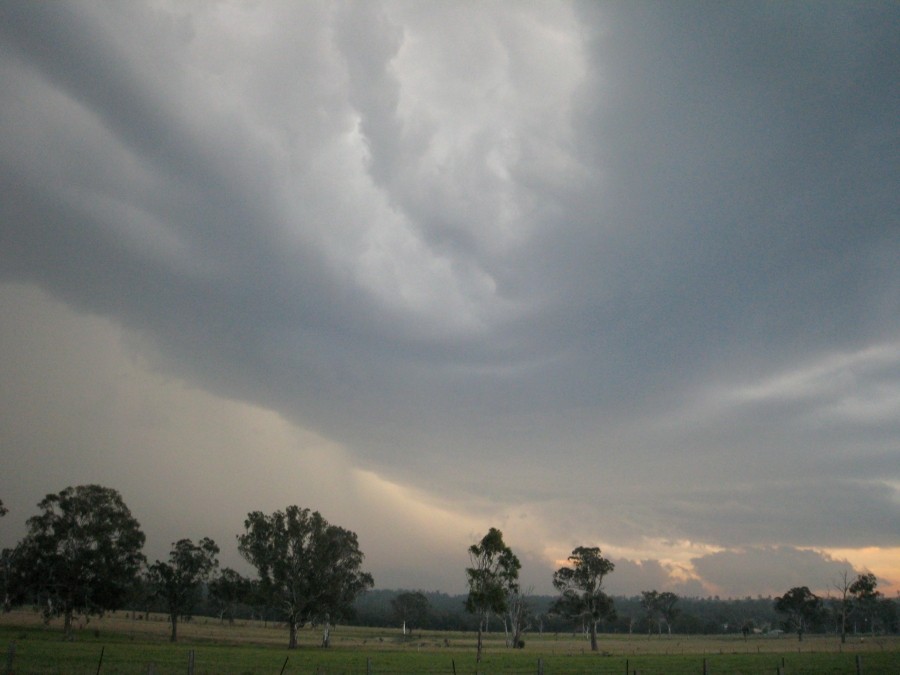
<point>801,606</point>
<point>178,581</point>
<point>410,608</point>
<point>865,598</point>
<point>493,575</point>
<point>581,588</point>
<point>82,552</point>
<point>227,591</point>
<point>307,567</point>
<point>660,608</point>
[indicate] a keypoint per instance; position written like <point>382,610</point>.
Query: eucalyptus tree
<point>227,590</point>
<point>11,583</point>
<point>801,606</point>
<point>179,581</point>
<point>493,575</point>
<point>308,568</point>
<point>82,552</point>
<point>581,588</point>
<point>519,613</point>
<point>660,607</point>
<point>865,598</point>
<point>410,608</point>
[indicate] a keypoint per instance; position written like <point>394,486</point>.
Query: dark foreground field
<point>123,644</point>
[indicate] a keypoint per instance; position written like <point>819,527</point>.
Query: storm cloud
<point>615,274</point>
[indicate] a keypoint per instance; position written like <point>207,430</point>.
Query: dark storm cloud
<point>625,251</point>
<point>751,158</point>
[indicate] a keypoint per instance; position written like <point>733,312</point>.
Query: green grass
<point>130,646</point>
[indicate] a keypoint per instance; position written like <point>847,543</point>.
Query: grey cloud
<point>806,512</point>
<point>769,570</point>
<point>629,576</point>
<point>491,268</point>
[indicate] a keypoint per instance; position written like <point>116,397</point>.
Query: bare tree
<point>842,586</point>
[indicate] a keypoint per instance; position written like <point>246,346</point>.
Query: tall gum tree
<point>865,598</point>
<point>492,577</point>
<point>309,569</point>
<point>581,588</point>
<point>801,606</point>
<point>82,552</point>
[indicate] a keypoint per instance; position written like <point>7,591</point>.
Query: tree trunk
<point>593,636</point>
<point>292,634</point>
<point>478,648</point>
<point>326,634</point>
<point>67,624</point>
<point>174,636</point>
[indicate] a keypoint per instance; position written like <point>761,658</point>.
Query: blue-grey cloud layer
<point>648,259</point>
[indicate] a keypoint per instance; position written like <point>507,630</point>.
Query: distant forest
<point>703,616</point>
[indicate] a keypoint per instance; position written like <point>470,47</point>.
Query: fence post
<point>540,670</point>
<point>705,667</point>
<point>369,665</point>
<point>859,664</point>
<point>100,662</point>
<point>10,657</point>
<point>191,662</point>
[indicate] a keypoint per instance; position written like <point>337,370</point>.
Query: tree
<point>3,509</point>
<point>227,591</point>
<point>660,608</point>
<point>81,553</point>
<point>649,601</point>
<point>581,588</point>
<point>865,598</point>
<point>179,582</point>
<point>308,568</point>
<point>801,606</point>
<point>492,576</point>
<point>518,611</point>
<point>11,579</point>
<point>667,609</point>
<point>842,586</point>
<point>410,608</point>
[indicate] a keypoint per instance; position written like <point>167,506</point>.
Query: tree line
<point>82,555</point>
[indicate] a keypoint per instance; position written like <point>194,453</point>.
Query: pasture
<point>122,643</point>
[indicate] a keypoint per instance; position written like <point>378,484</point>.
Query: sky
<point>615,274</point>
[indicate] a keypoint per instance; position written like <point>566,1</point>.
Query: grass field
<point>122,644</point>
